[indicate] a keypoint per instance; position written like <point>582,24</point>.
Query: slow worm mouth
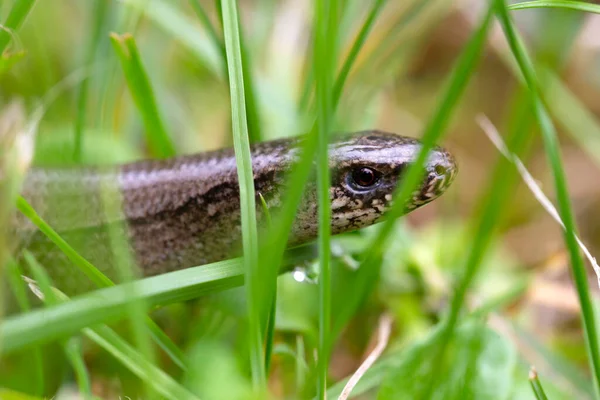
<point>441,171</point>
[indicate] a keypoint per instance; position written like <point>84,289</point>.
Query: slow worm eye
<point>364,177</point>
<point>440,170</point>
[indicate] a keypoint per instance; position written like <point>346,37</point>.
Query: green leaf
<point>392,361</point>
<point>99,13</point>
<point>16,16</point>
<point>324,62</point>
<point>153,376</point>
<point>569,5</point>
<point>108,304</point>
<point>243,159</point>
<point>139,85</point>
<point>552,149</point>
<point>170,19</point>
<point>223,380</point>
<point>479,365</point>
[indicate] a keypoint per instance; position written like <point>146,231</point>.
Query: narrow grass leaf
<point>99,12</point>
<point>105,337</point>
<point>96,276</point>
<point>16,16</point>
<point>571,113</point>
<point>70,346</point>
<point>569,5</point>
<point>215,38</point>
<point>166,15</point>
<point>246,182</point>
<point>434,130</point>
<point>127,271</point>
<point>85,266</point>
<point>564,204</point>
<point>109,304</point>
<point>17,286</point>
<point>151,375</point>
<point>436,127</point>
<point>324,61</point>
<point>157,137</point>
<point>536,385</point>
<point>355,49</point>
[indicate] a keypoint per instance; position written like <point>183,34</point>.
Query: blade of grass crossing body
<point>569,5</point>
<point>324,61</point>
<point>273,249</point>
<point>100,11</point>
<point>85,266</point>
<point>99,279</point>
<point>247,194</point>
<point>436,127</point>
<point>124,265</point>
<point>16,16</point>
<point>157,137</point>
<point>434,130</point>
<point>551,145</point>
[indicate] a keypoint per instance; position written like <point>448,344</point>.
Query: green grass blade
<point>434,130</point>
<point>16,16</point>
<point>70,346</point>
<point>569,5</point>
<point>153,376</point>
<point>127,271</point>
<point>100,11</point>
<point>564,204</point>
<point>108,305</point>
<point>14,275</point>
<point>166,15</point>
<point>85,266</point>
<point>252,113</point>
<point>96,276</point>
<point>355,49</point>
<point>252,104</point>
<point>536,385</point>
<point>247,193</point>
<point>325,43</point>
<point>215,38</point>
<point>571,113</point>
<point>139,85</point>
<point>74,354</point>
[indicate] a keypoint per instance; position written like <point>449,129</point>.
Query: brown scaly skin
<point>184,211</point>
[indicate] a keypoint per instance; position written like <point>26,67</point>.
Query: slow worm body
<point>184,211</point>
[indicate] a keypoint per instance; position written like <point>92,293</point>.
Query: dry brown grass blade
<point>492,133</point>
